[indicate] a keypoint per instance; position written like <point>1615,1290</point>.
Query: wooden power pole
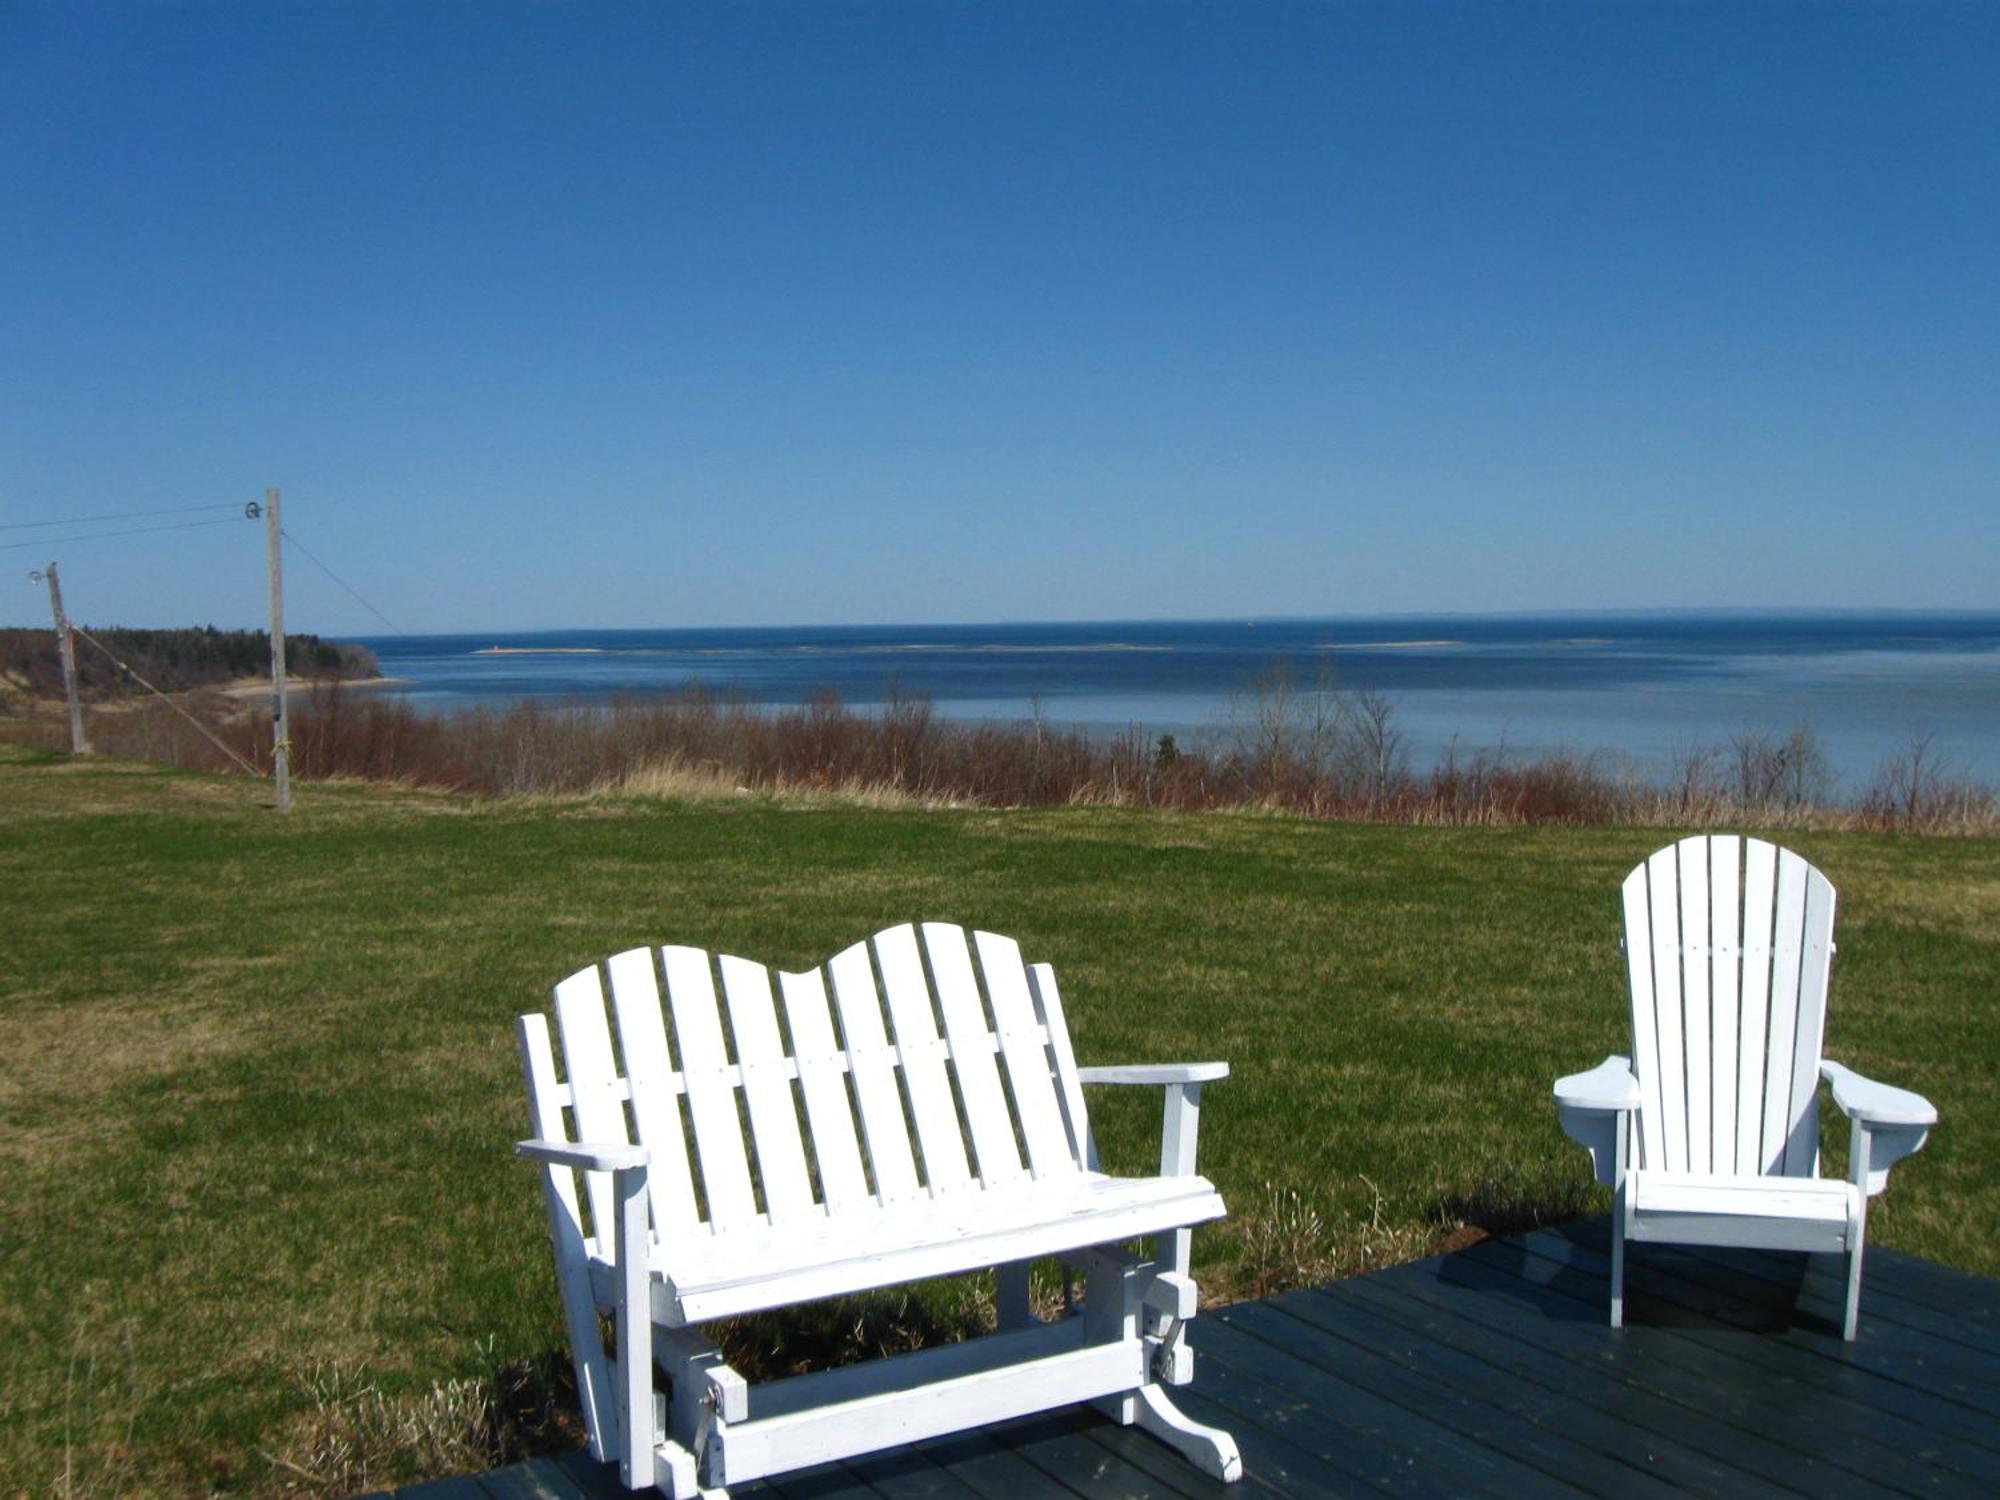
<point>281,719</point>
<point>66,647</point>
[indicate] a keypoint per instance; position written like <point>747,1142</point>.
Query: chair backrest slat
<point>1760,885</point>
<point>972,1054</point>
<point>1022,1045</point>
<point>921,1053</point>
<point>1787,942</point>
<point>655,1089</point>
<point>1069,1086</point>
<point>1725,988</point>
<point>1815,961</point>
<point>1663,874</point>
<point>1697,964</point>
<point>1728,947</point>
<point>711,1095</point>
<point>1645,1032</point>
<point>767,1090</point>
<point>823,1081</point>
<point>872,1065</point>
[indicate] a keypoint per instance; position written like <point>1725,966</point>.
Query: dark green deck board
<point>1492,1371</point>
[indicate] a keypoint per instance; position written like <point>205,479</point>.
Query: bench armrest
<point>1595,1110</point>
<point>1155,1073</point>
<point>1889,1124</point>
<point>588,1156</point>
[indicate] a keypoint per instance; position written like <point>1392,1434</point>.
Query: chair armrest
<point>1871,1104</point>
<point>1595,1111</point>
<point>1155,1073</point>
<point>1610,1085</point>
<point>588,1156</point>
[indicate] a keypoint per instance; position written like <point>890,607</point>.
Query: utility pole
<point>281,719</point>
<point>66,647</point>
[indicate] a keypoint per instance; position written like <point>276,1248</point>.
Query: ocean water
<point>1640,689</point>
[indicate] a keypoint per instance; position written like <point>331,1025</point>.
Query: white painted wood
<point>871,1061</point>
<point>593,1370</point>
<point>1760,909</point>
<point>1729,965</point>
<point>1663,889</point>
<point>822,1067</point>
<point>767,1091</point>
<point>655,1087</point>
<point>1815,957</point>
<point>1209,1449</point>
<point>1725,879</point>
<point>973,1045</point>
<point>864,1424</point>
<point>600,1113</point>
<point>921,1052</point>
<point>1787,940</point>
<point>1069,1078</point>
<point>718,1128</point>
<point>1023,1044</point>
<point>1645,1034</point>
<point>937,1067</point>
<point>1697,958</point>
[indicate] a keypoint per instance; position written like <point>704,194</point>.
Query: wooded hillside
<point>172,660</point>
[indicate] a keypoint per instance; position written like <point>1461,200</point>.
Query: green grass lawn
<point>261,1085</point>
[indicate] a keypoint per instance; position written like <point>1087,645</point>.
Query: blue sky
<point>650,316</point>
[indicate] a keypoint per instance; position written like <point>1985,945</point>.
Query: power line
<point>166,700</point>
<point>98,536</point>
<point>342,582</point>
<point>116,515</point>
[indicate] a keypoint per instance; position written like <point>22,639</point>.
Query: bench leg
<point>1209,1449</point>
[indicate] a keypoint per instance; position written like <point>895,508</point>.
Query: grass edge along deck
<point>1492,1371</point>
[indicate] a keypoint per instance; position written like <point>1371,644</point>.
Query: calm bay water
<point>1640,687</point>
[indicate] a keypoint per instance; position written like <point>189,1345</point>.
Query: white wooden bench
<point>767,1150</point>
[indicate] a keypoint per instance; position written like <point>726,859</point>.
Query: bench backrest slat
<point>718,1130</point>
<point>1728,946</point>
<point>767,1090</point>
<point>823,1081</point>
<point>872,1065</point>
<point>922,1063</point>
<point>655,1086</point>
<point>921,1052</point>
<point>1029,1070</point>
<point>971,1040</point>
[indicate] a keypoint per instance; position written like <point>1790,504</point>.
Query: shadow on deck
<point>1491,1371</point>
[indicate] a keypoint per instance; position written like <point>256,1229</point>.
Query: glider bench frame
<point>728,1176</point>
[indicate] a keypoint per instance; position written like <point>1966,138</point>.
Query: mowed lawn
<point>261,1086</point>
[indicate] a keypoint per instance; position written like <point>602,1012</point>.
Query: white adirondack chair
<point>973,1149</point>
<point>1709,1132</point>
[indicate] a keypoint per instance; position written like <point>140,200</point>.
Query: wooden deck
<point>1491,1372</point>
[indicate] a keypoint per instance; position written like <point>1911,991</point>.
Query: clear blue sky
<point>622,316</point>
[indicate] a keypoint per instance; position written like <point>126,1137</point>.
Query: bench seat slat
<point>731,1274</point>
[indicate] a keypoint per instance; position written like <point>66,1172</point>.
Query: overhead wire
<point>341,581</point>
<point>79,630</point>
<point>116,515</point>
<point>98,536</point>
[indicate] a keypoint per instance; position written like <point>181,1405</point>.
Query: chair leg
<point>1618,1258</point>
<point>1857,1235</point>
